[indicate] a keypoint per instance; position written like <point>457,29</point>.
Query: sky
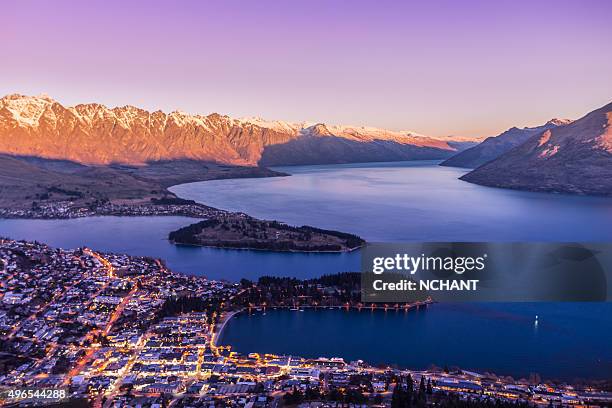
<point>440,68</point>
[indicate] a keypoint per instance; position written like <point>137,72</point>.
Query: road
<point>115,315</point>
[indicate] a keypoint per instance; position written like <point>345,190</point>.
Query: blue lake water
<point>570,340</point>
<point>408,201</point>
<point>148,236</point>
<point>411,201</point>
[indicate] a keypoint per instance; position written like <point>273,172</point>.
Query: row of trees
<point>455,402</point>
<point>405,396</point>
<point>326,290</point>
<point>255,235</point>
<point>348,396</point>
<point>351,240</point>
<point>189,234</point>
<point>167,200</point>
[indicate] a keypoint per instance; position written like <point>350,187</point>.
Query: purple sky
<point>470,68</point>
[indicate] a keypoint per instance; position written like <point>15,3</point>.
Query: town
<point>70,209</point>
<point>111,330</point>
<point>212,227</point>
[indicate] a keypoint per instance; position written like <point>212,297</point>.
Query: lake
<point>570,340</point>
<point>410,201</point>
<point>148,236</point>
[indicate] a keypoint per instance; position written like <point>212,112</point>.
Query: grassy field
<point>28,180</point>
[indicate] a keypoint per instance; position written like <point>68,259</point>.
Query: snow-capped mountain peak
<point>93,133</point>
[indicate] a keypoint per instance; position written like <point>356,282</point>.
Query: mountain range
<point>493,147</point>
<point>127,153</point>
<point>573,158</point>
<point>97,135</point>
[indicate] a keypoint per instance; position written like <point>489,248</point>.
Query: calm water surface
<point>408,201</point>
<point>570,341</point>
<point>381,202</point>
<point>421,201</point>
<point>148,236</point>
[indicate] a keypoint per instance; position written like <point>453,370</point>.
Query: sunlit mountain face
<point>574,158</point>
<point>95,134</point>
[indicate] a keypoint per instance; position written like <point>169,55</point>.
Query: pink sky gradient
<point>469,68</point>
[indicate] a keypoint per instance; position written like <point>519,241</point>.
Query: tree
<point>354,396</point>
<point>409,384</point>
<point>259,388</point>
<point>312,394</point>
<point>396,396</point>
<point>422,386</point>
<point>402,395</point>
<point>293,397</point>
<point>334,395</point>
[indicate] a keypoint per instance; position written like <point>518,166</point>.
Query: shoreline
<point>226,317</point>
<point>373,307</point>
<point>174,207</point>
<point>217,333</point>
<point>343,251</point>
<point>595,381</point>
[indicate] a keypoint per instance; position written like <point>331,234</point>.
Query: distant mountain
<point>94,134</point>
<point>575,158</point>
<point>493,147</point>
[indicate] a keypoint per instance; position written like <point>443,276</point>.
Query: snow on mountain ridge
<point>28,109</point>
<point>574,158</point>
<point>96,134</point>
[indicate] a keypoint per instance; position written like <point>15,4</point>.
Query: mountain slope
<point>493,147</point>
<point>576,158</point>
<point>23,182</point>
<point>95,134</point>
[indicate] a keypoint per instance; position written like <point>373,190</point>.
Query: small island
<point>239,231</point>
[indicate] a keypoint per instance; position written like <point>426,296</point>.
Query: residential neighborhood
<point>113,330</point>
